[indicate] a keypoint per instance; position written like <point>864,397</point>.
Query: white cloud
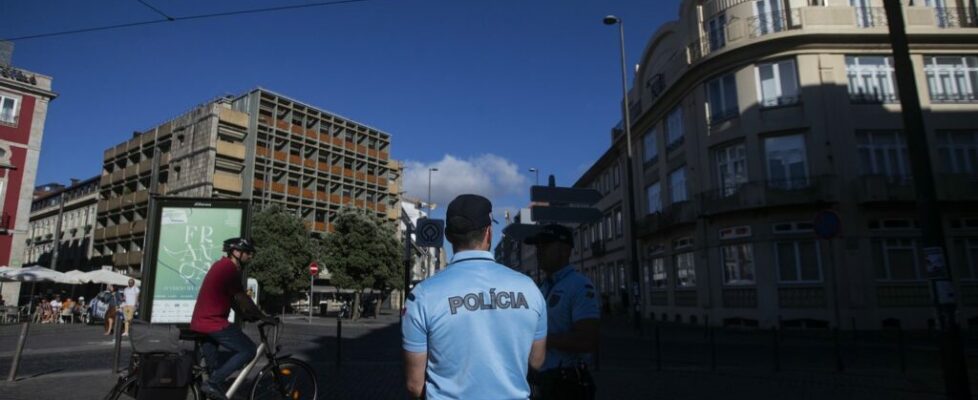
<point>488,175</point>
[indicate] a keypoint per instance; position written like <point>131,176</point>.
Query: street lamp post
<point>430,170</point>
<point>437,253</point>
<point>536,172</point>
<point>629,180</point>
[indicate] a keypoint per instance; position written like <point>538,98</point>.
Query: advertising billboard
<point>187,238</point>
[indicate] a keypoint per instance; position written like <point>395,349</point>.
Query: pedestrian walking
<point>130,301</point>
<point>473,330</point>
<point>572,319</point>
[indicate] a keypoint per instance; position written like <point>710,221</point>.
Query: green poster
<point>190,242</point>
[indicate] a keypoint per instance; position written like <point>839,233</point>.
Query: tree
<point>284,252</point>
<point>362,253</point>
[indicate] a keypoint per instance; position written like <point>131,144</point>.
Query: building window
<point>721,95</point>
<point>653,194</point>
<point>674,129</point>
<point>659,278</point>
<point>731,162</point>
<point>871,79</point>
<point>677,185</point>
<point>9,108</point>
<point>617,173</point>
<point>941,12</point>
<point>685,270</point>
<point>952,79</point>
<point>738,264</point>
<point>884,153</point>
<point>798,261</point>
<point>716,28</point>
<point>959,151</point>
<point>967,258</point>
<point>896,259</point>
<point>786,162</point>
<point>650,146</point>
<point>769,17</point>
<point>864,13</point>
<point>585,236</point>
<point>608,226</point>
<point>777,83</point>
<point>621,274</point>
<point>619,230</point>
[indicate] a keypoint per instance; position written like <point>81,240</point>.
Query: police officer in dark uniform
<point>572,319</point>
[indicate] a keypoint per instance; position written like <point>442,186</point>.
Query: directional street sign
<point>579,215</point>
<point>564,205</point>
<point>430,233</point>
<point>564,195</point>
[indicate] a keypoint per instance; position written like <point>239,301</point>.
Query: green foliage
<point>284,252</point>
<point>363,252</point>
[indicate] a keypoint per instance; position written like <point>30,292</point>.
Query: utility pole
<point>955,369</point>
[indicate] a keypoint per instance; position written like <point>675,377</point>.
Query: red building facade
<point>24,99</point>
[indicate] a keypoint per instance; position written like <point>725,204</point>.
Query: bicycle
<point>281,377</point>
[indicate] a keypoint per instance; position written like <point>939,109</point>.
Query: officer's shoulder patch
<point>410,296</point>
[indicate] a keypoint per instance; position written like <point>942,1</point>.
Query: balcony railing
<point>956,17</point>
<point>774,22</point>
<point>870,17</point>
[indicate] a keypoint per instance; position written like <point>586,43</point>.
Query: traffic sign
<point>827,224</point>
<point>564,195</point>
<point>579,215</point>
<point>430,233</point>
<point>313,268</point>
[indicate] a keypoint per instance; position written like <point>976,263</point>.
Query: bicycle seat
<point>187,334</point>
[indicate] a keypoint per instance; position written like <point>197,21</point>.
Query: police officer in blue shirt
<point>572,319</point>
<point>472,330</point>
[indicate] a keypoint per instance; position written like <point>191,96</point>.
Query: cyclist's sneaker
<point>212,392</point>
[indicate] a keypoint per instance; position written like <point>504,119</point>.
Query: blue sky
<point>483,90</point>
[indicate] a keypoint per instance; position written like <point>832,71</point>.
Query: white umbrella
<point>35,274</point>
<point>107,277</point>
<point>75,276</point>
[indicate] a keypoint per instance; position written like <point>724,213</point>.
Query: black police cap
<point>552,233</point>
<point>468,212</point>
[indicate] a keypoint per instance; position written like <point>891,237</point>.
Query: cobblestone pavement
<point>72,362</point>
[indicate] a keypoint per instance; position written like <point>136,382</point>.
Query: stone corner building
<point>749,117</point>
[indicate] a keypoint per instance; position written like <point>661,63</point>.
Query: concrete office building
<point>260,146</point>
<point>77,215</point>
<point>24,98</point>
<point>749,117</point>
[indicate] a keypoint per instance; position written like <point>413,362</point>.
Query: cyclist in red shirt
<point>221,290</point>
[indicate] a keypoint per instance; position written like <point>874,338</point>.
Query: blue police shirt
<point>570,298</point>
<point>477,321</point>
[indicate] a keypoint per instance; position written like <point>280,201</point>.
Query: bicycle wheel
<point>293,380</point>
<point>129,389</point>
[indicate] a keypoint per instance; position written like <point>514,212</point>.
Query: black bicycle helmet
<point>239,243</point>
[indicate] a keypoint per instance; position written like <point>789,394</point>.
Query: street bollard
<point>339,341</point>
<point>713,350</point>
<point>902,350</point>
<point>777,349</point>
<point>20,349</point>
<point>839,365</point>
<point>658,350</point>
<point>118,343</point>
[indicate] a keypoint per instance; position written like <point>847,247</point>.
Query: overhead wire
<point>168,18</point>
